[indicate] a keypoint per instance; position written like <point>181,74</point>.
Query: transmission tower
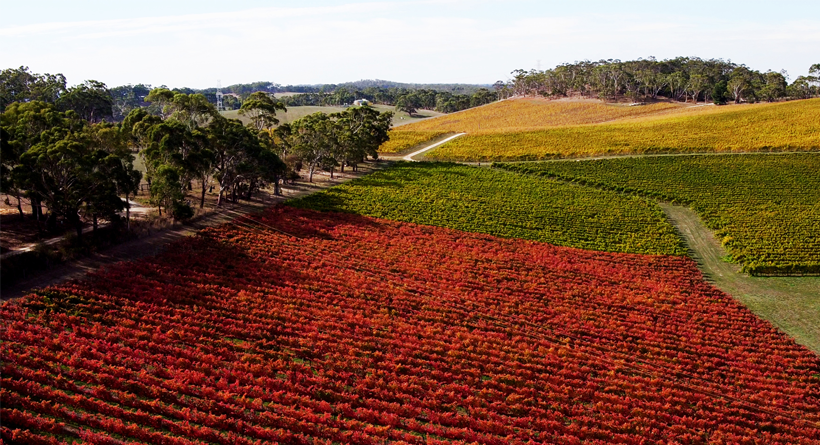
<point>219,106</point>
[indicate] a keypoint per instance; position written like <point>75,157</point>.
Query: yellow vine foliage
<point>535,114</point>
<point>401,140</point>
<point>787,126</point>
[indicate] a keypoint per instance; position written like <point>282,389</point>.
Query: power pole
<point>219,106</point>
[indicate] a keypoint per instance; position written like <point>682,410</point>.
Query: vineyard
<point>534,114</point>
<point>764,207</point>
<point>790,126</point>
<point>512,115</point>
<point>505,204</point>
<point>303,327</point>
<point>404,140</point>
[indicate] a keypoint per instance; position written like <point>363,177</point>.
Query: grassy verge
<point>764,208</point>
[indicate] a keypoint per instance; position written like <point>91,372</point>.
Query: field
<point>505,204</point>
<point>303,327</point>
<point>401,141</point>
<point>536,114</point>
<point>293,113</point>
<point>787,126</point>
<point>516,114</point>
<point>764,207</point>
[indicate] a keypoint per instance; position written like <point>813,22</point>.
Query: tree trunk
<point>78,225</point>
<point>249,194</point>
<point>342,168</point>
<point>310,176</point>
<point>94,222</point>
<point>127,213</point>
<point>20,207</point>
<point>331,172</point>
<point>277,189</point>
<point>51,222</point>
<point>202,199</point>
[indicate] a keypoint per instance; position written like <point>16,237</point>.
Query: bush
<point>182,211</point>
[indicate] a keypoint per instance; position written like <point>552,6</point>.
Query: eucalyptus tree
<point>21,85</point>
<point>91,100</point>
<point>72,167</point>
<point>235,150</point>
<point>170,143</point>
<point>193,110</point>
<point>314,138</point>
<point>408,103</point>
<point>773,87</point>
<point>261,109</point>
<point>740,82</point>
<point>25,125</point>
<point>359,133</point>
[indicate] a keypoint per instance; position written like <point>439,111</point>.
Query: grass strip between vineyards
<point>764,208</point>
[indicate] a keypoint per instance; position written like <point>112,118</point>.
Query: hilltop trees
<point>682,79</point>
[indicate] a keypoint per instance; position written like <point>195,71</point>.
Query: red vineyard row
<point>358,330</point>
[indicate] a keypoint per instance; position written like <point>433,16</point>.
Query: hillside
<point>791,125</point>
<point>763,207</point>
<point>299,327</point>
<point>535,114</point>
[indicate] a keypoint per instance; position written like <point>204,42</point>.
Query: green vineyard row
<point>505,204</point>
<point>765,208</point>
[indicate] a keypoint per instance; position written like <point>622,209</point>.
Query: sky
<point>196,43</point>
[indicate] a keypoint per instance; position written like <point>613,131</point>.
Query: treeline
<point>61,155</point>
<point>403,99</point>
<point>681,79</point>
<point>20,85</point>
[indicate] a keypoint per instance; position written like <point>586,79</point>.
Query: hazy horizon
<point>193,44</point>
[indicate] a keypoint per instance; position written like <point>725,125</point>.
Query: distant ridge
<point>271,87</point>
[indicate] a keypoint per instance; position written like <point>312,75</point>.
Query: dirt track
<point>790,303</point>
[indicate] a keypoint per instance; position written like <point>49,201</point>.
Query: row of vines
<point>401,141</point>
<point>303,327</point>
<point>765,208</point>
<point>505,204</point>
<point>791,126</point>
